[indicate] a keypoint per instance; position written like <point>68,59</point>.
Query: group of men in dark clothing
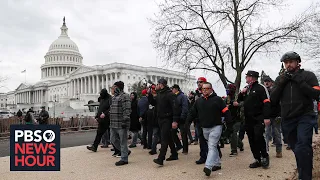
<point>29,118</point>
<point>285,105</point>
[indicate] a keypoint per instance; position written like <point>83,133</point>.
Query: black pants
<point>102,128</point>
<point>144,134</point>
<point>150,134</point>
<point>256,140</point>
<point>166,139</point>
<point>184,136</point>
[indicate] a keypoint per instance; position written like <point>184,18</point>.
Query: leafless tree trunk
<point>221,36</point>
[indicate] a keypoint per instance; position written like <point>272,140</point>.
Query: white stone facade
<point>68,84</point>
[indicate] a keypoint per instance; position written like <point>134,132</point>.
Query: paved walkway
<point>78,163</point>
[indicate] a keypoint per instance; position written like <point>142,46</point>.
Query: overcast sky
<point>105,31</point>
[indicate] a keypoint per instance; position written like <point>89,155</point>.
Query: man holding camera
<point>296,89</point>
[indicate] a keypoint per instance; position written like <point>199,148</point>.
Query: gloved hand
<point>285,78</point>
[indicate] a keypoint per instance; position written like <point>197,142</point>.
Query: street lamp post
<point>54,108</point>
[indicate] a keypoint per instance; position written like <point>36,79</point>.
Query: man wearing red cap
<point>202,140</point>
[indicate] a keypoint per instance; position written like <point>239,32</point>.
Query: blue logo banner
<point>34,148</point>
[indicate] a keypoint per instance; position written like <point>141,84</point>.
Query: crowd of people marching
<point>282,110</point>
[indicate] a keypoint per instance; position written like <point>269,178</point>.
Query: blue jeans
<point>106,138</point>
<point>274,131</point>
<point>135,136</point>
<point>203,143</point>
<point>119,138</point>
<point>212,135</point>
<point>298,132</point>
<point>155,139</point>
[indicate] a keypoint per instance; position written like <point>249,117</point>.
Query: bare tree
<point>221,36</point>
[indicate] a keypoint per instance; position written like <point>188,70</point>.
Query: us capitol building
<point>66,84</point>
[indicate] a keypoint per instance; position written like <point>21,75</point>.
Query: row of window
<point>64,46</point>
<point>64,58</point>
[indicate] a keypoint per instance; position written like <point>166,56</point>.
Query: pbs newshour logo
<point>34,148</point>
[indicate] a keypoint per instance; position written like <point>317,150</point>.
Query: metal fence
<point>73,124</point>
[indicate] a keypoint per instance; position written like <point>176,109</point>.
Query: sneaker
<point>200,161</point>
<point>233,154</point>
<point>172,158</point>
<point>256,164</point>
<point>216,168</point>
<point>132,146</point>
<point>158,161</point>
<point>152,152</point>
<point>115,154</point>
<point>92,148</point>
<point>279,155</point>
<point>121,163</point>
<point>265,163</point>
<point>195,143</point>
<point>207,171</point>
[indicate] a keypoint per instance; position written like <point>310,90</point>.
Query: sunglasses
<point>199,82</point>
<point>206,88</point>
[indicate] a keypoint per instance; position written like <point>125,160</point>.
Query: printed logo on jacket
<point>34,148</point>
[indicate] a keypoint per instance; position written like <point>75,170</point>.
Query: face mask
<point>117,90</point>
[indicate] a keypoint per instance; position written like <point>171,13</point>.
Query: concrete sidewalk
<point>78,163</point>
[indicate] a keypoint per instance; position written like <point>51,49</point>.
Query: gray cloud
<point>105,32</point>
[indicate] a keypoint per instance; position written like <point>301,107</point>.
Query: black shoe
<point>216,168</point>
<point>129,152</point>
<point>112,149</point>
<point>179,148</point>
<point>233,154</point>
<point>200,161</point>
<point>185,152</point>
<point>132,146</point>
<point>241,149</point>
<point>256,164</point>
<point>152,152</point>
<point>104,146</point>
<point>158,161</point>
<point>144,147</point>
<point>92,148</point>
<point>149,148</point>
<point>172,158</point>
<point>265,163</point>
<point>207,171</point>
<point>121,163</point>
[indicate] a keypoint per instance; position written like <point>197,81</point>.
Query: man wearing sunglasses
<point>199,133</point>
<point>209,110</point>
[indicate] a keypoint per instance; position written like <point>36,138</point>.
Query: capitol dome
<point>62,57</point>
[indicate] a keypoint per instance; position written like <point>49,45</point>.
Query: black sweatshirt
<point>209,111</point>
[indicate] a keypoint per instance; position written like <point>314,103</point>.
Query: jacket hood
<point>104,94</point>
<point>135,96</point>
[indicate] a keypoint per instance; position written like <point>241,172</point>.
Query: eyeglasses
<point>199,82</point>
<point>206,88</point>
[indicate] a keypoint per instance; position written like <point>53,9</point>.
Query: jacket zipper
<point>291,96</point>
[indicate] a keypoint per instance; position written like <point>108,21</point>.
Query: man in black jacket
<point>43,116</point>
<point>296,89</point>
<point>168,119</point>
<point>257,109</point>
<point>209,109</point>
<point>182,106</point>
<point>103,118</point>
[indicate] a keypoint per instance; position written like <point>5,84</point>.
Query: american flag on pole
<point>23,71</point>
